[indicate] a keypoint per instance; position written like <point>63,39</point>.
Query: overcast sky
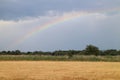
<point>98,24</point>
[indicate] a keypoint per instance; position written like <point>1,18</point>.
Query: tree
<point>112,52</point>
<point>17,52</point>
<point>70,53</point>
<point>91,50</point>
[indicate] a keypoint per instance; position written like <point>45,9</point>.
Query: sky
<point>49,25</point>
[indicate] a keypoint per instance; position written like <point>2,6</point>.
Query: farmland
<point>59,70</point>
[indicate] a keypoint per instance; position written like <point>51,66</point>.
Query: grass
<point>58,58</point>
<point>59,70</point>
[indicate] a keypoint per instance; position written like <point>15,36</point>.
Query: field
<point>59,70</point>
<point>59,58</point>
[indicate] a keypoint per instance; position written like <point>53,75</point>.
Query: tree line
<point>89,50</point>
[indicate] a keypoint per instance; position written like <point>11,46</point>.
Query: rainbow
<point>61,19</point>
<point>64,18</point>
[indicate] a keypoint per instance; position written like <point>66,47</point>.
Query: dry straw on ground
<point>58,70</point>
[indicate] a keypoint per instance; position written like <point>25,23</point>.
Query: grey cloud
<point>16,9</point>
<point>99,29</point>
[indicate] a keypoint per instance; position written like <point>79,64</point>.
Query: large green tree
<point>91,50</point>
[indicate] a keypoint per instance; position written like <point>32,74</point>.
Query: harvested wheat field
<point>50,70</point>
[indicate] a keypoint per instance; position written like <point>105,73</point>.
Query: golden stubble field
<point>59,70</point>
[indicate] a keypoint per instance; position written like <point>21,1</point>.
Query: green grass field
<point>58,58</point>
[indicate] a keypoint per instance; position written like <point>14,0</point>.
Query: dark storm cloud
<point>16,9</point>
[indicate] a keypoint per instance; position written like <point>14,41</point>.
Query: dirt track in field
<point>50,70</point>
